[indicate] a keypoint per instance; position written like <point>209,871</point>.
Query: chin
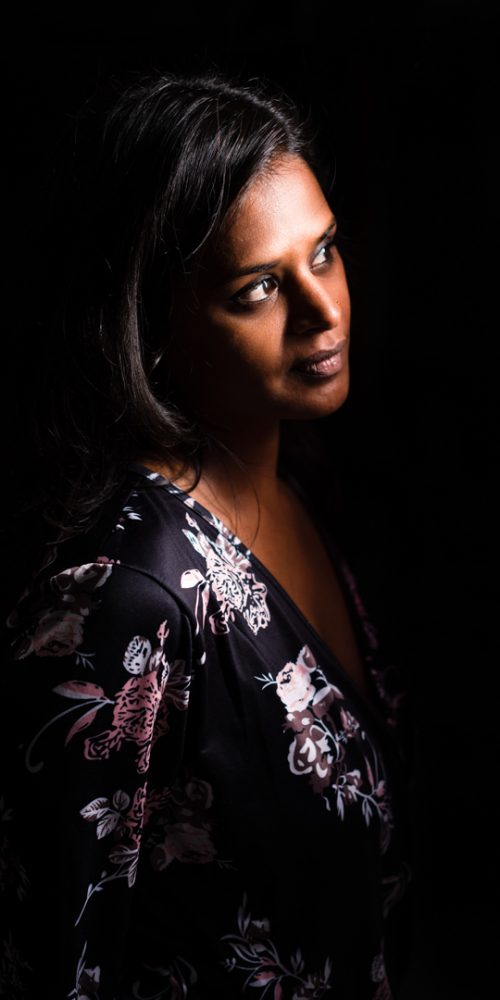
<point>320,400</point>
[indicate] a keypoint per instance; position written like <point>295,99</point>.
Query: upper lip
<point>314,359</point>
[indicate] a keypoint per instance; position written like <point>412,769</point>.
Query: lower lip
<point>323,369</point>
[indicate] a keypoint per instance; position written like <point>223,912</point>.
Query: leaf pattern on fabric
<point>228,580</point>
<point>128,513</point>
<point>255,955</point>
<point>124,820</point>
<point>86,981</point>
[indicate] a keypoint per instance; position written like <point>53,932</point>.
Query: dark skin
<point>235,344</point>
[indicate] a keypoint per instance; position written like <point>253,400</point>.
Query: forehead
<point>282,207</point>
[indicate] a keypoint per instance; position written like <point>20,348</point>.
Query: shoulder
<point>125,573</point>
<point>144,530</point>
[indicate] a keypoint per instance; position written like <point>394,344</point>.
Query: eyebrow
<point>262,268</point>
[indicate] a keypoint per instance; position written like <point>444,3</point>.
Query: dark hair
<point>153,187</point>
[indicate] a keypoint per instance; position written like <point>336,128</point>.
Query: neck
<point>239,479</point>
<point>243,456</point>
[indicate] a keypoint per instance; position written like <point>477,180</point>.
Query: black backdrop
<point>407,98</point>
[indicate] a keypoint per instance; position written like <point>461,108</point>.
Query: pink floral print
<point>58,630</point>
<point>255,955</point>
<point>123,819</point>
<point>186,827</point>
<point>322,728</point>
<point>194,817</point>
<point>183,842</point>
<point>142,701</point>
<point>228,579</point>
<point>140,707</point>
<point>294,686</point>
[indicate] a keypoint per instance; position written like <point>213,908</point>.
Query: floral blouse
<point>198,802</point>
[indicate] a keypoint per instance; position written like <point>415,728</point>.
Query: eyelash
<point>255,284</point>
<point>328,246</point>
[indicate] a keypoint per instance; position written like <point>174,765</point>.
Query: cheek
<point>345,298</point>
<point>250,340</point>
<point>221,352</point>
<point>346,307</point>
<point>339,286</point>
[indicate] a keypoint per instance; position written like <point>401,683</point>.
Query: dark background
<point>407,99</point>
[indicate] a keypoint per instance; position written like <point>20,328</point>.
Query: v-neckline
<point>217,524</point>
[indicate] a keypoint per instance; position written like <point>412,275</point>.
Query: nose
<point>314,304</point>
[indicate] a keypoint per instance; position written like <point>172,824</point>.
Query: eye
<point>325,254</point>
<point>258,291</point>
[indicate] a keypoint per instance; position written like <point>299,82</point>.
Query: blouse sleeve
<point>95,697</point>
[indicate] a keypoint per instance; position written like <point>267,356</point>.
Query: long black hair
<point>152,181</point>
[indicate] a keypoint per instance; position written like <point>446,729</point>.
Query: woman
<point>205,778</point>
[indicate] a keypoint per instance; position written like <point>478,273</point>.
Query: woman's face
<point>264,336</point>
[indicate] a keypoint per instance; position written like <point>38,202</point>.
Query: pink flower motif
<point>58,633</point>
<point>59,628</point>
<point>183,842</point>
<point>266,976</point>
<point>134,714</point>
<point>199,793</point>
<point>294,686</point>
<point>141,707</point>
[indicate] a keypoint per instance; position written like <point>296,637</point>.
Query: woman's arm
<point>95,692</point>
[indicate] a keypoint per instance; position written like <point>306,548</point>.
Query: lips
<point>323,363</point>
